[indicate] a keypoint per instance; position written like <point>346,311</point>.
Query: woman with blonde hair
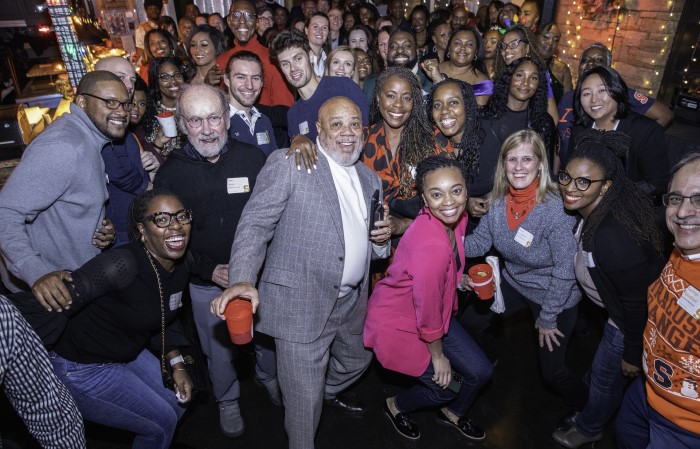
<point>341,62</point>
<point>528,226</point>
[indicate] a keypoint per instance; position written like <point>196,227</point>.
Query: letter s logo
<point>663,373</point>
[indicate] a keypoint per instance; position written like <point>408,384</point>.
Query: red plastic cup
<point>239,320</point>
<point>482,280</point>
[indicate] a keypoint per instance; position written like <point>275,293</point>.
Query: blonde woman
<point>341,62</point>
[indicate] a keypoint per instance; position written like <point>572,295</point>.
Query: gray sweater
<point>543,272</point>
<point>54,200</point>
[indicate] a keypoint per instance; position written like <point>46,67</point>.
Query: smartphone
<point>376,211</point>
<point>455,382</point>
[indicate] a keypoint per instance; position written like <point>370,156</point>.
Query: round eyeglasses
<point>164,219</point>
<point>582,184</point>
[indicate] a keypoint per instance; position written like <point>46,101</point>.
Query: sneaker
<point>573,438</point>
<point>273,390</point>
<point>464,425</point>
<point>230,419</point>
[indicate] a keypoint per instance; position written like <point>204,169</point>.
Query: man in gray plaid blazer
<point>311,233</point>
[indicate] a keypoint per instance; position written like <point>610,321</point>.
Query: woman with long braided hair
<point>619,255</point>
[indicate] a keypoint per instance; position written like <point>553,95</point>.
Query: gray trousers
<point>218,348</point>
<point>308,372</point>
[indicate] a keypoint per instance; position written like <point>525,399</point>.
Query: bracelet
<point>175,360</point>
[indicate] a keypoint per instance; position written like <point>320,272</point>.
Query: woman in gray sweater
<point>528,226</point>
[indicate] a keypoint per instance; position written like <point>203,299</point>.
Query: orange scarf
<point>519,203</point>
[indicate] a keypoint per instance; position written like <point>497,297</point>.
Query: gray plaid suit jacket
<point>292,224</point>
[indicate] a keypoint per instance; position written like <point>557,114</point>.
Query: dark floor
<point>516,411</point>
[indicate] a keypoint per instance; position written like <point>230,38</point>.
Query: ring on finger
<point>297,151</point>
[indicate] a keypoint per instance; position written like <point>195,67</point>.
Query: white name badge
<point>175,300</point>
<point>690,301</point>
<point>524,238</point>
<point>237,185</point>
<point>263,138</point>
<point>304,128</point>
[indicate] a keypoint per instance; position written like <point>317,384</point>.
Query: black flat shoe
<point>403,424</point>
<point>464,425</point>
<point>347,405</point>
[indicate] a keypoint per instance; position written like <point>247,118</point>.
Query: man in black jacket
<point>214,177</point>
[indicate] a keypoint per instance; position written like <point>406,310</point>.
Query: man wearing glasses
<point>265,21</point>
<point>662,409</point>
<point>242,21</point>
<point>52,208</point>
<point>214,177</point>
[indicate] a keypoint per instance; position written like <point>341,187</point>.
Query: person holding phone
<point>410,321</point>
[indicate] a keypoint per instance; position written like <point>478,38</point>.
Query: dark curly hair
<point>473,135</point>
<point>617,90</point>
<point>417,140</point>
<point>149,121</point>
<point>437,162</point>
<point>538,118</point>
<point>630,206</point>
<point>289,39</point>
<point>478,62</point>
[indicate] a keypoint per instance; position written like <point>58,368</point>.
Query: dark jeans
<point>552,364</point>
<point>466,359</point>
<point>640,426</point>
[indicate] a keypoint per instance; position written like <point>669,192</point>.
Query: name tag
<point>690,301</point>
<point>263,138</point>
<point>237,185</point>
<point>524,238</point>
<point>304,128</point>
<point>175,300</point>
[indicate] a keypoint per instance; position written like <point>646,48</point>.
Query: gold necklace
<point>163,369</point>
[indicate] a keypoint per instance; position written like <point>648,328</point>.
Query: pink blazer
<point>413,304</point>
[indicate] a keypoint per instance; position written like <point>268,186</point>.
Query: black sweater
<point>624,269</point>
<point>202,187</point>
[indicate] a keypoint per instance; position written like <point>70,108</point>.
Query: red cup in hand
<point>239,320</point>
<point>482,280</point>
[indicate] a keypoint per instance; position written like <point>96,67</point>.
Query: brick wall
<point>640,36</point>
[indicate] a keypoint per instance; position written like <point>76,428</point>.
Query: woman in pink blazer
<point>410,321</point>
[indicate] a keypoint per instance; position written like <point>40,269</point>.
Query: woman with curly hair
<point>528,226</point>
<point>464,60</point>
<point>620,253</point>
<point>519,42</point>
<point>519,102</point>
<point>166,80</point>
<point>400,137</point>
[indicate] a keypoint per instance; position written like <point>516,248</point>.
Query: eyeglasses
<point>164,219</point>
<point>196,122</point>
<point>582,184</point>
<point>266,19</point>
<point>113,104</point>
<point>512,44</point>
<point>247,16</point>
<point>166,77</point>
<point>676,199</point>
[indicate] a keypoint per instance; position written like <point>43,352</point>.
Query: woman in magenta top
<point>410,321</point>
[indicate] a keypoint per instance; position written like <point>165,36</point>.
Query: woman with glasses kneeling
<point>619,255</point>
<point>116,345</point>
<point>528,226</point>
<point>410,321</point>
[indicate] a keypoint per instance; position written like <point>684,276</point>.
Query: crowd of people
<point>341,169</point>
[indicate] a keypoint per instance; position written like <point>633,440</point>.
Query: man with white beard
<point>213,176</point>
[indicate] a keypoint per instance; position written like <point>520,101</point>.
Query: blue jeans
<point>639,426</point>
<point>606,383</point>
<point>128,396</point>
<point>467,359</point>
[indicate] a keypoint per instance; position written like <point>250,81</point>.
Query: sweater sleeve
<point>429,268</point>
<point>481,240</point>
<point>629,270</point>
<point>122,171</point>
<point>562,247</point>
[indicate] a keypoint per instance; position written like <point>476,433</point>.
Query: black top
<point>117,325</point>
<point>646,160</point>
<point>216,205</point>
<point>624,269</point>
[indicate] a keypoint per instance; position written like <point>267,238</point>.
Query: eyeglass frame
<point>169,77</point>
<point>503,45</point>
<point>216,118</point>
<point>153,216</point>
<point>247,16</point>
<point>107,101</point>
<point>666,196</point>
<point>571,178</point>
